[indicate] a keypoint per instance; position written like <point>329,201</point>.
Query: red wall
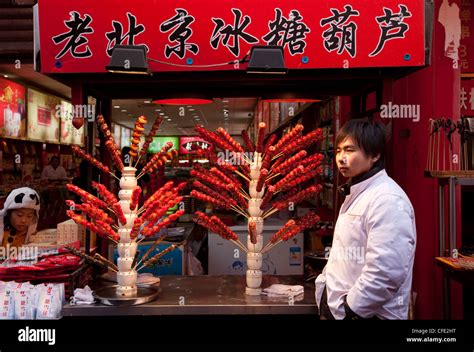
<point>436,89</point>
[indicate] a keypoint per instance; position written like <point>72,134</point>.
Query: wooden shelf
<point>451,263</point>
<point>447,174</point>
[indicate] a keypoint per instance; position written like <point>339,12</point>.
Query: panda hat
<point>21,198</point>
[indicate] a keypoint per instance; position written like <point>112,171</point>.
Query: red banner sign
<point>466,33</point>
<point>78,36</point>
<point>190,145</point>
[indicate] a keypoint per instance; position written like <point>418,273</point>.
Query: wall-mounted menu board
<point>69,133</point>
<point>12,109</point>
<point>43,116</point>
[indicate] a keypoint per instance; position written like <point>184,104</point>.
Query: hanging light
<point>267,59</point>
<point>130,59</point>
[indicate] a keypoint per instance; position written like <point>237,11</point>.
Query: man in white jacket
<point>369,270</point>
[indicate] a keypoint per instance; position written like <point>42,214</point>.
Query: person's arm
<point>44,173</point>
<point>388,257</point>
<point>63,173</point>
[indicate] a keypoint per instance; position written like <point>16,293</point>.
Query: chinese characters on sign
<point>288,33</point>
<point>392,26</point>
<point>225,33</point>
<point>181,33</point>
<point>76,36</point>
<point>191,145</point>
<point>466,56</point>
<point>467,97</point>
<point>116,38</point>
<point>342,34</point>
<point>369,34</point>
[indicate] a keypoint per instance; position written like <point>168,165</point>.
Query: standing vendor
<point>54,171</point>
<point>370,266</point>
<point>19,217</point>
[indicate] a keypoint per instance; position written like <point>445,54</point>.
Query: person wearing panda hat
<point>19,217</point>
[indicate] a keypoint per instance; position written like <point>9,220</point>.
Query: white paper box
<point>69,231</point>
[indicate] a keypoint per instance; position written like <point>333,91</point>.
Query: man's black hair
<point>54,158</point>
<point>368,136</point>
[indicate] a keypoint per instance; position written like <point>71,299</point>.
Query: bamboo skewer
<point>89,258</point>
<point>240,245</point>
<point>242,175</point>
<point>269,213</point>
<point>138,160</point>
<point>105,261</point>
<point>245,194</point>
<point>114,176</point>
<point>239,211</point>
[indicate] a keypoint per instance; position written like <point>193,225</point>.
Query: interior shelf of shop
<point>289,119</point>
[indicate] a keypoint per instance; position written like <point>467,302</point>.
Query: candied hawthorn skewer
<point>261,179</point>
<point>119,212</point>
<point>253,232</point>
<point>231,141</point>
<point>106,195</point>
<point>136,136</point>
<point>260,137</point>
<point>89,158</point>
<point>86,196</point>
<point>247,141</point>
<point>149,137</point>
<point>135,197</point>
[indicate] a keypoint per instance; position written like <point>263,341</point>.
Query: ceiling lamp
<point>267,59</point>
<point>130,59</point>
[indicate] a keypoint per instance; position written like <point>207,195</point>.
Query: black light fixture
<point>131,59</point>
<point>267,59</point>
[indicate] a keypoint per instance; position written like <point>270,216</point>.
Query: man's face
<point>55,163</point>
<point>352,160</point>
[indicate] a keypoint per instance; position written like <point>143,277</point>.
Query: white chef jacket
<point>372,254</point>
<point>52,174</point>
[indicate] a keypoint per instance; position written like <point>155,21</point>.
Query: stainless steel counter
<point>208,295</point>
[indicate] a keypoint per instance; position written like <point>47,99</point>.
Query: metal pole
<point>447,295</point>
<point>452,215</point>
<point>442,243</point>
